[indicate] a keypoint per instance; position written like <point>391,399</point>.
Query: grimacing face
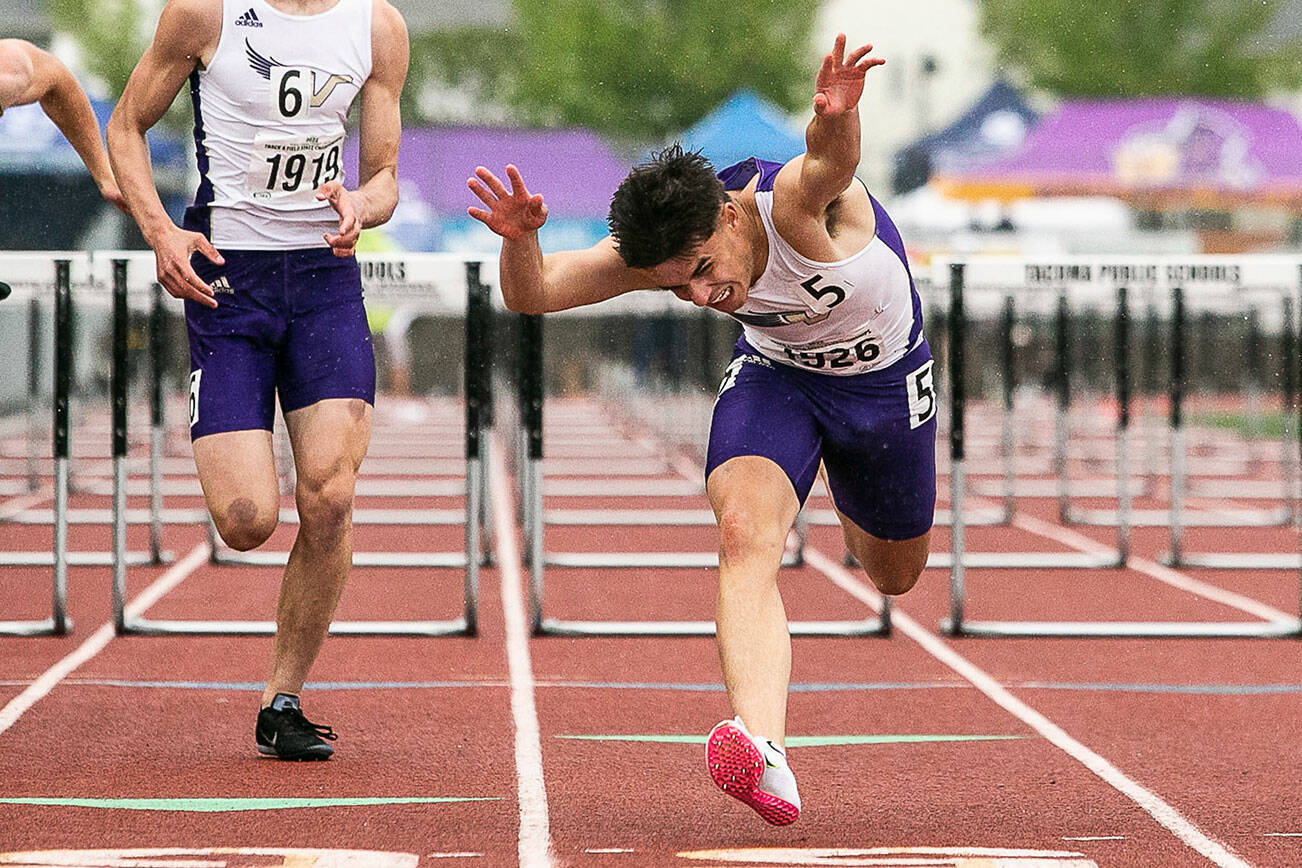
<point>717,272</point>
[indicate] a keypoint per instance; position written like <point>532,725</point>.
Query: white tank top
<point>852,316</point>
<point>269,115</point>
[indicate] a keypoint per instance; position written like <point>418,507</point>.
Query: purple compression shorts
<point>288,322</point>
<point>876,432</point>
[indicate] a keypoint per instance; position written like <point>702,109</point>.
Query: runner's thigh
<point>880,448</point>
<point>761,411</point>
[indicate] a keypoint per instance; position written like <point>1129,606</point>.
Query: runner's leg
<point>238,474</point>
<point>755,505</point>
<point>329,439</point>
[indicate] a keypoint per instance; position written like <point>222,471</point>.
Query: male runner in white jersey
<point>27,75</point>
<point>273,296</point>
<point>832,365</point>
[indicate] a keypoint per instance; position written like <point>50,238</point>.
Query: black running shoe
<point>283,732</point>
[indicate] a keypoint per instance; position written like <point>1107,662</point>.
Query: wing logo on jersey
<point>781,318</point>
<point>323,83</point>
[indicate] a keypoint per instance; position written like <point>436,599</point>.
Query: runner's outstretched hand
<point>840,79</point>
<point>510,214</point>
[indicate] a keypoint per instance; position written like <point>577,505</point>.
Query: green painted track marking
<point>804,740</point>
<point>212,806</point>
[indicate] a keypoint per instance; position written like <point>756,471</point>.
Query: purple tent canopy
<point>1185,151</point>
<point>573,169</point>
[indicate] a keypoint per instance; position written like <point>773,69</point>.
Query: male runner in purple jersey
<point>832,367</point>
<point>27,75</point>
<point>272,291</point>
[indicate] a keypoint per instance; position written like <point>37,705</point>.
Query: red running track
<point>914,749</point>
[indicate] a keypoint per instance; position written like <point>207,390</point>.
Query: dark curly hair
<point>665,207</point>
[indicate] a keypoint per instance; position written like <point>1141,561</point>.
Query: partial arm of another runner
<point>536,283</point>
<point>187,35</point>
<point>372,203</point>
<point>27,75</point>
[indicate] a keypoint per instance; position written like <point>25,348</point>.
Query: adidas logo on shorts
<point>222,286</point>
<point>248,19</point>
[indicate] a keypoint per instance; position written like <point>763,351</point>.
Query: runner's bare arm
<point>536,283</point>
<point>15,74</point>
<point>832,139</point>
<point>187,34</point>
<point>28,74</point>
<point>372,203</point>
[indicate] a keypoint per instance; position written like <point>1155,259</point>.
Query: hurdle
<point>996,270</point>
<point>530,404</point>
<point>1003,272</point>
<point>1156,280</point>
<point>31,273</point>
<point>452,283</point>
<point>1286,274</point>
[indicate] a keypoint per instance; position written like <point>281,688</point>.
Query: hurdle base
<point>145,627</point>
<point>556,627</point>
<point>1126,629</point>
<point>1231,561</point>
<point>230,557</point>
<point>74,559</point>
<point>1028,560</point>
<point>661,560</point>
<point>48,627</point>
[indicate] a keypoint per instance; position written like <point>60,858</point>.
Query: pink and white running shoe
<point>738,765</point>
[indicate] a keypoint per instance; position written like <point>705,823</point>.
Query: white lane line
<point>1152,804</point>
<point>95,643</point>
<point>1164,574</point>
<point>535,846</point>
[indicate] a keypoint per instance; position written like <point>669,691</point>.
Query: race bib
<point>195,377</point>
<point>847,357</point>
<point>290,169</point>
<point>922,395</point>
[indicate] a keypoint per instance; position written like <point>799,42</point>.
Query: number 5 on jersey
<point>922,395</point>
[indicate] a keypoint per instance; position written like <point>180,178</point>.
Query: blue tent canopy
<point>744,125</point>
<point>997,122</point>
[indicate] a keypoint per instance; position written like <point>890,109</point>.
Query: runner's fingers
<point>482,192</point>
<point>348,224</point>
<point>858,54</point>
<point>329,190</point>
<point>838,49</point>
<point>479,214</point>
<point>491,182</point>
<point>204,246</point>
<point>518,189</point>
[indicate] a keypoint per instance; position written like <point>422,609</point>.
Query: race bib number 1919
<point>293,168</point>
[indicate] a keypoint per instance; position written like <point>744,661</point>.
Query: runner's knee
<point>243,525</point>
<point>745,533</point>
<point>325,505</point>
<point>892,572</point>
<point>895,579</point>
